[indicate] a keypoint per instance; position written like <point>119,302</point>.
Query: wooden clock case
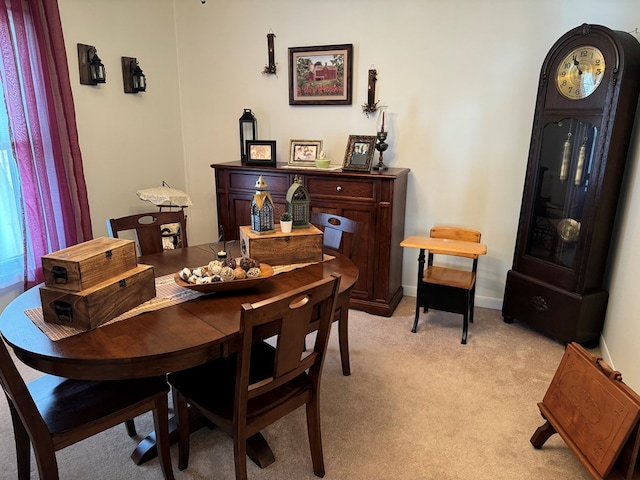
<point>567,213</point>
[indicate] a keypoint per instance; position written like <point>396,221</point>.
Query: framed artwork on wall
<point>261,152</point>
<point>320,75</point>
<point>303,153</point>
<point>359,153</point>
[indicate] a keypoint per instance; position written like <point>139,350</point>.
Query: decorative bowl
<point>323,162</point>
<point>267,271</point>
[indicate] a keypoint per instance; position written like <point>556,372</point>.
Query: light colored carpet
<point>417,406</point>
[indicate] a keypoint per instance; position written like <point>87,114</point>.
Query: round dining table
<point>165,340</point>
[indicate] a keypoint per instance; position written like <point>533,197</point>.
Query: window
<point>43,197</point>
<point>11,247</point>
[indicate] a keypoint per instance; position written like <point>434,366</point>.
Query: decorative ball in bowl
<point>323,162</point>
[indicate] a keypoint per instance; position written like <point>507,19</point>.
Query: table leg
<point>258,449</point>
<point>419,289</point>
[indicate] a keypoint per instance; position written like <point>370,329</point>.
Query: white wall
<point>459,79</point>
<point>128,141</point>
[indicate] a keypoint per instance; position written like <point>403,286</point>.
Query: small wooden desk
<point>444,245</point>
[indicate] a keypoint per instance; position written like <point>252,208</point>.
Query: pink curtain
<point>43,128</point>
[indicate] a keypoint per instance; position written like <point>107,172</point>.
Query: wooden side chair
<point>149,229</point>
<point>341,235</point>
<point>52,413</point>
<point>447,288</point>
<point>251,389</point>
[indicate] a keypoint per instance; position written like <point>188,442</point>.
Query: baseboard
<point>481,301</point>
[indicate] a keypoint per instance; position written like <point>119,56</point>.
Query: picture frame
<point>261,152</point>
<point>359,154</point>
<point>303,153</point>
<point>321,75</point>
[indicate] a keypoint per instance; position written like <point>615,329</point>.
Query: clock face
<point>580,72</point>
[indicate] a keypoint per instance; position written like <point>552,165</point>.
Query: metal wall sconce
<point>371,105</point>
<point>91,69</point>
<point>133,78</point>
<point>271,68</point>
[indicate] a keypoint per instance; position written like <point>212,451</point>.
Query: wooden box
<point>96,305</point>
<point>302,245</point>
<point>89,263</point>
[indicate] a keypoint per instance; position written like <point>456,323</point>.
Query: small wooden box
<point>96,305</point>
<point>89,263</point>
<point>302,245</point>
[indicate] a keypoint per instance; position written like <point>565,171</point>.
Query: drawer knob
<point>339,188</point>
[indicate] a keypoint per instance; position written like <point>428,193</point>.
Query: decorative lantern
<point>90,66</point>
<point>133,77</point>
<point>298,203</point>
<point>262,209</point>
<point>248,131</point>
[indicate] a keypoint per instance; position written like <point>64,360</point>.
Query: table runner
<point>168,293</point>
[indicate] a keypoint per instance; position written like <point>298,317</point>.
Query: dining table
<point>167,339</point>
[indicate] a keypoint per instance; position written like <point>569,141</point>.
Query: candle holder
<point>381,137</point>
<point>381,146</point>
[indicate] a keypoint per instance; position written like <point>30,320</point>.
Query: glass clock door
<point>564,168</point>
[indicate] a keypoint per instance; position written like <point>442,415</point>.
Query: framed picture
<point>320,75</point>
<point>359,154</point>
<point>261,152</point>
<point>303,153</point>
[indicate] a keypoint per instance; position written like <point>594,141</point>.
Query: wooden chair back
<point>456,233</point>
<point>264,383</point>
<point>52,413</point>
<point>335,227</point>
<point>149,229</point>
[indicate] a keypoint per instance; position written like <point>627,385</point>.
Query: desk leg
<point>258,449</point>
<point>419,289</point>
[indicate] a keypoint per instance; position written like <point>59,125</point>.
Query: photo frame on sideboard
<point>303,153</point>
<point>261,153</point>
<point>359,153</point>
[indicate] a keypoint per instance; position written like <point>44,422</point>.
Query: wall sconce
<point>371,105</point>
<point>91,69</point>
<point>133,78</point>
<point>271,68</point>
<point>248,131</point>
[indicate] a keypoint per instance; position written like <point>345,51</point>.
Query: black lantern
<point>90,66</point>
<point>248,129</point>
<point>133,78</point>
<point>298,203</point>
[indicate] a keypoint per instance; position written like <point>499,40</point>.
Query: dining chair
<point>152,229</point>
<point>251,389</point>
<point>342,235</point>
<point>51,413</point>
<point>450,288</point>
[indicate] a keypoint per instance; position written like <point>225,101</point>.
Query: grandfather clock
<point>584,114</point>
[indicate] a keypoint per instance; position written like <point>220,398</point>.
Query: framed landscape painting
<point>320,75</point>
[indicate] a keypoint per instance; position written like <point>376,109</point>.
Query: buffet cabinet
<point>375,199</point>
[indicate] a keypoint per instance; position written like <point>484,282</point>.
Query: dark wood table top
<point>165,340</point>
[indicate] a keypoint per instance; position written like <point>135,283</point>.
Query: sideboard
<point>375,199</point>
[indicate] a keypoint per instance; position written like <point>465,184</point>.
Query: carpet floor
<point>417,406</point>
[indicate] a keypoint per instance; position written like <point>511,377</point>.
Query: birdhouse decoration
<point>262,209</point>
<point>298,203</point>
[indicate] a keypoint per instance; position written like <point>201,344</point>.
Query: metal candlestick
<point>381,146</point>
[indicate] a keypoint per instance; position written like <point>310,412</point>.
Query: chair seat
<point>55,397</point>
<point>222,373</point>
<point>449,277</point>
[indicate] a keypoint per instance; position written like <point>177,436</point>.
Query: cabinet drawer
<point>247,181</point>
<point>342,188</point>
